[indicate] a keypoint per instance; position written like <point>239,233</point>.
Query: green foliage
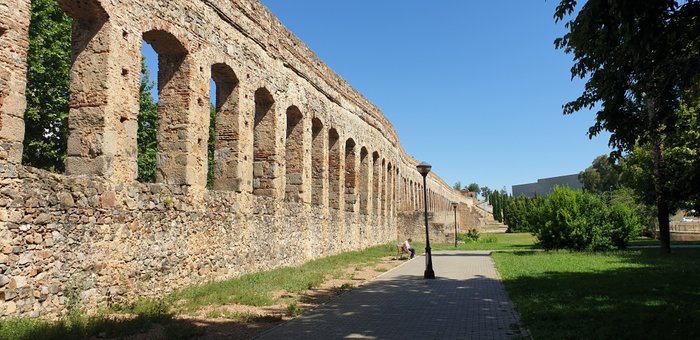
<point>603,175</point>
<point>574,295</point>
<point>485,192</point>
<point>578,220</point>
<point>473,187</point>
<point>148,128</point>
<point>681,164</point>
<point>457,185</point>
<point>498,201</point>
<point>48,87</point>
<point>640,63</point>
<point>472,235</point>
<point>293,309</point>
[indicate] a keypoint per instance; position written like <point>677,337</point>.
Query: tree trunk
<point>661,193</point>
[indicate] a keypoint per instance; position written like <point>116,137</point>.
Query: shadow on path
<point>466,301</point>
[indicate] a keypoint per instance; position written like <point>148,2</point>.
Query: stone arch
<point>335,169</point>
<point>175,143</point>
<point>376,183</point>
<point>389,191</point>
<point>227,141</point>
<point>294,155</point>
<point>383,198</point>
<point>350,175</point>
<point>265,163</point>
<point>318,163</point>
<point>365,180</point>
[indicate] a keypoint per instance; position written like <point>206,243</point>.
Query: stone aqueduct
<point>305,166</point>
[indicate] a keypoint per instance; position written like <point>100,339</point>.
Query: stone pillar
<point>103,101</point>
<point>14,42</point>
<point>227,152</point>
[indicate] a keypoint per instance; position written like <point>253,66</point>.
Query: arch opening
<point>265,163</point>
<point>294,156</point>
<point>224,136</point>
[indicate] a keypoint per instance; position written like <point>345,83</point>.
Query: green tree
<point>639,59</point>
<point>473,188</point>
<point>497,206</point>
<point>148,128</point>
<point>457,185</point>
<point>485,192</point>
<point>682,164</point>
<point>602,176</point>
<point>48,87</point>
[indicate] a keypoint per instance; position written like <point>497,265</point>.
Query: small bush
<point>471,236</point>
<point>293,309</point>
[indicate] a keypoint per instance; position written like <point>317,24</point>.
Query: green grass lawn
<point>627,294</point>
<point>515,241</point>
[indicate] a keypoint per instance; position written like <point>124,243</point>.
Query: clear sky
<point>473,87</point>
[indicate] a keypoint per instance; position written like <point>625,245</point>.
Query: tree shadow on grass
<point>644,295</point>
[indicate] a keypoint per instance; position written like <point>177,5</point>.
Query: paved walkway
<point>466,301</point>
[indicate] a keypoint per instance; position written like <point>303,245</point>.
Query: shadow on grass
<point>632,294</point>
<point>152,327</point>
<point>80,327</point>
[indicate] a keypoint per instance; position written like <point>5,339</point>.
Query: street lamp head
<point>424,168</point>
<point>455,204</point>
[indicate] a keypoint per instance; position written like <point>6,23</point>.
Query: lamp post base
<point>429,273</point>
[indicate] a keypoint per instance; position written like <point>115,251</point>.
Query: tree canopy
<point>48,87</point>
<point>640,60</point>
<point>603,175</point>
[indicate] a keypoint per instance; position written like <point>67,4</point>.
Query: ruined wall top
<point>263,27</point>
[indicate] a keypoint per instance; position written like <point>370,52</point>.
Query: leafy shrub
<point>577,220</point>
<point>471,236</point>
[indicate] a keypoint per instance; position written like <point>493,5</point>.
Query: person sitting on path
<point>407,246</point>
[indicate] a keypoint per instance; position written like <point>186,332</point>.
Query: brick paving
<point>466,301</point>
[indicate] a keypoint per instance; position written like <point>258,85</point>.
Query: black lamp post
<point>424,169</point>
<point>454,206</point>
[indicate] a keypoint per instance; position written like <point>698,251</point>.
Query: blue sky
<point>473,87</point>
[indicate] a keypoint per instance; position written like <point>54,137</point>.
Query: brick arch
<point>365,180</point>
<point>376,183</point>
<point>227,143</point>
<point>85,10</point>
<point>318,162</point>
<point>294,155</point>
<point>382,206</point>
<point>265,162</point>
<point>335,169</point>
<point>350,174</point>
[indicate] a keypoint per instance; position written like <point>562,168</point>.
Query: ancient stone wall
<point>305,166</point>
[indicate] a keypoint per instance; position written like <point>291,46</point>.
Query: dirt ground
<point>244,322</point>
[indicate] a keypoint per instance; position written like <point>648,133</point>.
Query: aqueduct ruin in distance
<point>305,165</point>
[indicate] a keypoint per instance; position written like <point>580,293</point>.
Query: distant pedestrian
<point>407,246</point>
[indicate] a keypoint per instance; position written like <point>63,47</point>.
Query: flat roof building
<point>545,186</point>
